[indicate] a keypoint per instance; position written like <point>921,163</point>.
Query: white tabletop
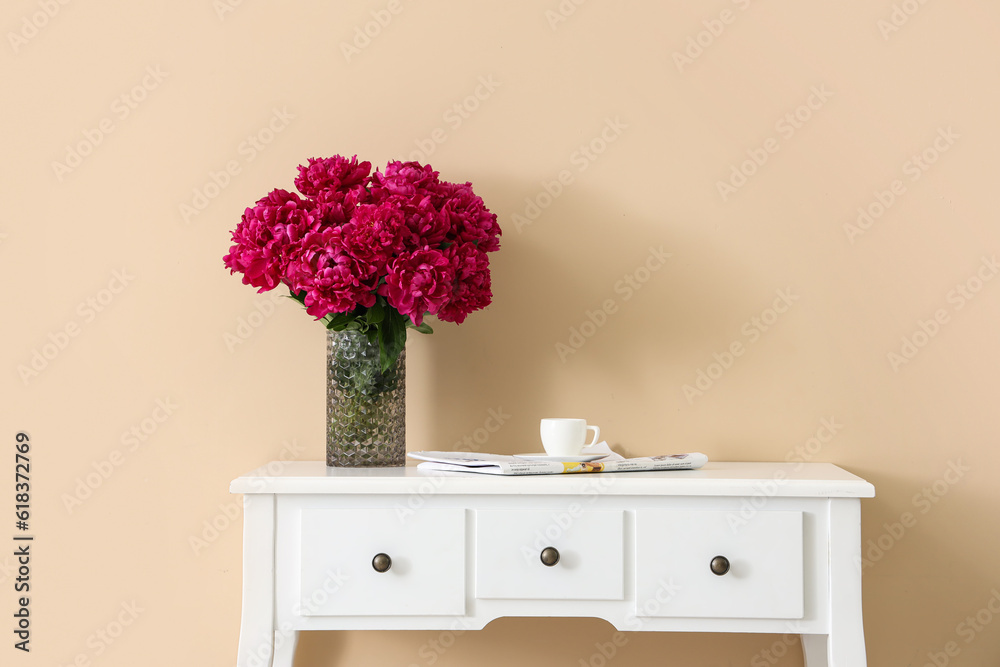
<point>815,480</point>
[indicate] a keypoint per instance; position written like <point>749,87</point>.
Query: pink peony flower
<point>373,235</point>
<point>471,282</point>
<point>333,281</point>
<point>332,174</point>
<point>469,219</point>
<point>436,211</point>
<point>405,178</point>
<point>403,233</point>
<point>427,226</point>
<point>418,282</point>
<point>266,236</point>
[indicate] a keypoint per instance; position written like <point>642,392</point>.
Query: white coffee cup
<point>567,437</point>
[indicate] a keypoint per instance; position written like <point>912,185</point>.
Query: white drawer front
<point>508,554</point>
<point>427,572</point>
<point>674,550</point>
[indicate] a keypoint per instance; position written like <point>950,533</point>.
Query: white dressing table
<point>733,547</point>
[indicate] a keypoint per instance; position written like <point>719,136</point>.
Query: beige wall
<point>166,328</point>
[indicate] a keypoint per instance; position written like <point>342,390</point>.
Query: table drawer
<point>426,574</point>
<point>509,545</point>
<point>674,554</point>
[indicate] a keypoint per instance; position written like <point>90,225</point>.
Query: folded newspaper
<point>605,461</point>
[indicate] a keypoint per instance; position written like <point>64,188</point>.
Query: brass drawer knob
<point>550,556</point>
<point>720,565</point>
<point>381,563</point>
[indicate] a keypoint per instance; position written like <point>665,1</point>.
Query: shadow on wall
<point>584,642</point>
<point>597,312</point>
<point>909,534</point>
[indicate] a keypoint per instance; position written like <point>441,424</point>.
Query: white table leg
<point>844,646</point>
<point>284,647</point>
<point>257,624</point>
<point>814,650</point>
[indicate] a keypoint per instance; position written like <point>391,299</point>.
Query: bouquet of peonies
<point>370,252</point>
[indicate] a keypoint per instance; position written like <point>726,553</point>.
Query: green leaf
<point>376,313</point>
<point>338,321</point>
<point>381,323</point>
<point>424,328</point>
<point>298,296</point>
<point>391,339</point>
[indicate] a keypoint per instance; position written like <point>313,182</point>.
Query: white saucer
<point>582,458</point>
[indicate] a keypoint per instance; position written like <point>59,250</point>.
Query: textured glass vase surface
<point>366,408</point>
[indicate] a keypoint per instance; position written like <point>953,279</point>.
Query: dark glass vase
<point>366,408</point>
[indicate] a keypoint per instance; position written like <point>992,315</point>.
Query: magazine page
<point>500,468</point>
<point>483,459</point>
<point>601,459</point>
